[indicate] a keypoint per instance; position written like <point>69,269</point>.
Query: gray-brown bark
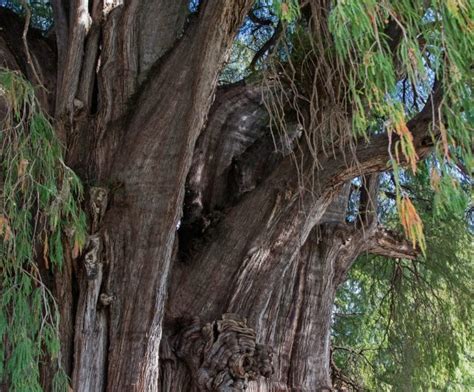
<point>273,289</point>
<point>260,252</point>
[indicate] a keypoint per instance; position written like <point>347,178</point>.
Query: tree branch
<point>25,42</point>
<point>279,215</point>
<point>373,156</point>
<point>390,244</point>
<point>24,49</point>
<point>368,199</point>
<point>260,21</point>
<point>267,46</point>
<point>359,239</point>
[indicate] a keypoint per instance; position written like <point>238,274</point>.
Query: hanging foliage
<point>436,46</point>
<point>38,205</point>
<point>372,80</point>
<point>404,325</point>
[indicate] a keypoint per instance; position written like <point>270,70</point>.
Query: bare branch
<point>25,42</point>
<point>267,46</point>
<point>25,49</point>
<point>257,20</point>
<point>389,244</point>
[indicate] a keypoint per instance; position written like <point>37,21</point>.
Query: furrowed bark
<point>309,369</point>
<point>285,211</point>
<point>92,305</point>
<point>154,132</point>
<point>79,27</point>
<point>150,167</point>
<point>259,240</point>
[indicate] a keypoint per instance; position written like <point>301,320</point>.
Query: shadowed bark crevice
<point>233,154</point>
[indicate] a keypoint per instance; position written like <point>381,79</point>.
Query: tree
<point>217,234</point>
<point>387,308</point>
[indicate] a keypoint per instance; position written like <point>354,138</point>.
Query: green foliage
<point>286,10</point>
<point>437,43</point>
<point>405,325</point>
<point>39,202</point>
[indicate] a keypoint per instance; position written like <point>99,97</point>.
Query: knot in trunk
<point>223,355</point>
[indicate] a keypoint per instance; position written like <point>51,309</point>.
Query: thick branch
<point>373,239</point>
<point>278,215</point>
<point>372,156</point>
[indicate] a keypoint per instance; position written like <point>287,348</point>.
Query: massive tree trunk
<point>210,265</point>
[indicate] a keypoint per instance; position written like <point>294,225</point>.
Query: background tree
<point>404,324</point>
<point>217,194</point>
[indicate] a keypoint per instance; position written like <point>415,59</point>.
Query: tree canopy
<point>405,324</point>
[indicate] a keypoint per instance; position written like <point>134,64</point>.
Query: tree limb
<point>25,49</point>
<point>374,155</point>
<point>260,21</point>
<point>25,42</point>
<point>288,202</point>
<point>267,46</point>
<point>390,244</point>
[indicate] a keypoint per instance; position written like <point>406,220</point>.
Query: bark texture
<point>210,265</point>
